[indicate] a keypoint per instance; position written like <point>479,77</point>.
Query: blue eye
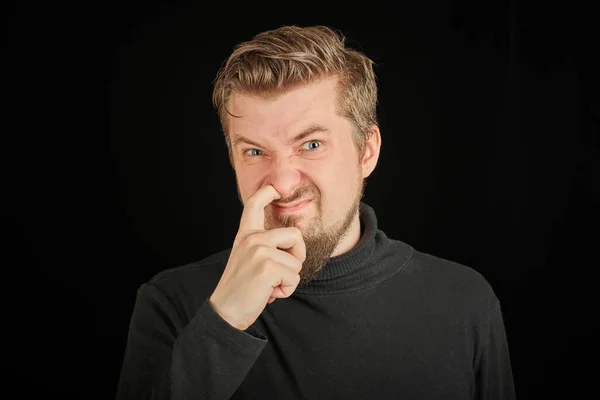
<point>313,141</point>
<point>249,152</point>
<point>256,152</point>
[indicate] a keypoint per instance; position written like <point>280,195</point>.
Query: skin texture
<point>322,167</point>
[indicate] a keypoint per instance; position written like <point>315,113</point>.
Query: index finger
<point>253,215</point>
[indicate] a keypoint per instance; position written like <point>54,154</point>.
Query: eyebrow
<point>302,135</point>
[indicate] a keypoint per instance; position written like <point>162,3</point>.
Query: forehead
<point>307,104</point>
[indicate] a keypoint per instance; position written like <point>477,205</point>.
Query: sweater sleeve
<point>206,359</point>
<point>493,372</point>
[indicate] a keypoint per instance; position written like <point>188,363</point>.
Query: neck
<point>349,239</point>
<point>362,265</point>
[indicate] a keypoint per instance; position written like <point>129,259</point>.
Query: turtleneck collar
<point>372,260</point>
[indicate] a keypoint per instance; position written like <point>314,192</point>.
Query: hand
<point>263,265</point>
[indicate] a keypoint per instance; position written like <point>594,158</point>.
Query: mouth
<point>289,208</point>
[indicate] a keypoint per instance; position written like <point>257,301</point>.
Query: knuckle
<point>250,240</point>
<point>296,279</point>
<point>259,253</point>
<point>265,268</point>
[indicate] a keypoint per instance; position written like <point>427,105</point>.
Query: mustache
<point>300,195</point>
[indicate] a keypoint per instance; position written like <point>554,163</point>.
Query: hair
<point>279,60</point>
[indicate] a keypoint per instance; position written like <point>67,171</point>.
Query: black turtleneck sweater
<point>382,321</point>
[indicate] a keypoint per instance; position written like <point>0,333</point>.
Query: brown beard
<point>320,242</point>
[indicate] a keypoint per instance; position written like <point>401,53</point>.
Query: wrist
<point>227,317</point>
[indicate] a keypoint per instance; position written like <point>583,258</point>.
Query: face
<point>298,143</point>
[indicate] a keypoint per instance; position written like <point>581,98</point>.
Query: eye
<point>252,152</point>
<point>312,147</point>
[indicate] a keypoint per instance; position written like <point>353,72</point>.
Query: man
<point>312,301</point>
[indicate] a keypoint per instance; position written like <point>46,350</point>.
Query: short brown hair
<point>279,60</point>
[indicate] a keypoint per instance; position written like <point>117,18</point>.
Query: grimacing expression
<point>299,143</point>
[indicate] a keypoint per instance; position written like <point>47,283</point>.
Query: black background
<point>115,167</point>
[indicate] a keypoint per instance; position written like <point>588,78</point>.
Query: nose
<point>285,178</point>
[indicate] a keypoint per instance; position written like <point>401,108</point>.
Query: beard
<point>320,241</point>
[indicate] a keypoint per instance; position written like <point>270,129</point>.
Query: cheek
<point>341,170</point>
<point>248,182</point>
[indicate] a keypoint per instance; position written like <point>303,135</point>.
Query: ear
<point>372,148</point>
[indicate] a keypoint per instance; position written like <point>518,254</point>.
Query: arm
<point>207,359</point>
<point>493,372</point>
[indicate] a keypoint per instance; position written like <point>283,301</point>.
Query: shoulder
<point>201,269</point>
<point>450,281</point>
<point>188,286</point>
